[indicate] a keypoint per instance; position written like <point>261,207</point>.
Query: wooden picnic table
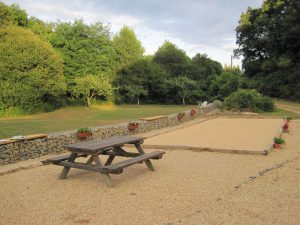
<point>111,147</point>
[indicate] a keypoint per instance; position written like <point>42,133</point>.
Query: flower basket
<point>180,116</point>
<point>193,112</point>
<point>132,126</point>
<point>84,133</point>
<point>285,127</point>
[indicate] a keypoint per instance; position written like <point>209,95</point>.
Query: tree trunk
<point>138,101</point>
<point>88,101</point>
<point>183,100</point>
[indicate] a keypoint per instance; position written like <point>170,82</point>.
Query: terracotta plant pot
<point>133,126</point>
<point>81,135</point>
<point>285,127</point>
<point>275,145</point>
<point>193,112</point>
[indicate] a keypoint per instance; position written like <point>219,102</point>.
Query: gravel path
<point>186,188</point>
<point>223,133</point>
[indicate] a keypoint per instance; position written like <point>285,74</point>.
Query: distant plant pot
<point>275,145</point>
<point>193,112</point>
<point>180,116</point>
<point>133,126</point>
<point>82,135</point>
<point>285,127</point>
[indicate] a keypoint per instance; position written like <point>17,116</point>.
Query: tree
<point>183,85</point>
<point>86,49</point>
<point>128,48</point>
<point>91,86</point>
<point>172,59</point>
<point>31,72</point>
<point>19,16</point>
<point>269,40</point>
<point>142,75</point>
<point>224,85</point>
<point>135,91</point>
<point>5,15</point>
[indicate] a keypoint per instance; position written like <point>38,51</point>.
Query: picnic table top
<point>100,145</point>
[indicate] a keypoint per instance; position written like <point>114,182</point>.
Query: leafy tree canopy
<point>128,48</point>
<point>86,49</point>
<point>172,59</point>
<point>269,40</point>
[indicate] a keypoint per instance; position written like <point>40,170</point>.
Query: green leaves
<point>92,86</point>
<point>31,72</point>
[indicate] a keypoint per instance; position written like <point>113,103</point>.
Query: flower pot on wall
<point>82,135</point>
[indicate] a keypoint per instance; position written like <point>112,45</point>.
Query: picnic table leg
<point>90,160</point>
<point>66,169</point>
<point>109,160</point>
<point>109,182</point>
<point>147,162</point>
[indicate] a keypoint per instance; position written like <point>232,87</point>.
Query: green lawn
<point>281,113</point>
<point>76,117</point>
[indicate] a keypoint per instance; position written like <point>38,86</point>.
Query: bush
<point>217,103</point>
<point>244,99</point>
<point>31,72</point>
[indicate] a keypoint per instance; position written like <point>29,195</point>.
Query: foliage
<point>172,59</point>
<point>31,72</point>
<point>5,15</point>
<point>279,140</point>
<point>224,85</point>
<point>217,103</point>
<point>149,79</point>
<point>234,68</point>
<point>128,48</point>
<point>183,85</point>
<point>19,16</point>
<point>86,49</point>
<point>243,99</point>
<point>92,86</point>
<point>269,40</point>
<point>84,130</point>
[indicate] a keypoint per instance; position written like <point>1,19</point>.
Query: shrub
<point>217,103</point>
<point>278,140</point>
<point>31,72</point>
<point>244,99</point>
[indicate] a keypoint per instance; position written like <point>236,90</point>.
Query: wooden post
<point>66,169</point>
<point>141,151</point>
<point>107,179</point>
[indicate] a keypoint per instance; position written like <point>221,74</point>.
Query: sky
<point>196,26</point>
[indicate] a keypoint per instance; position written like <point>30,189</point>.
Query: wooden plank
<point>94,147</point>
<point>61,158</point>
<point>35,136</point>
<point>116,168</point>
<point>154,118</point>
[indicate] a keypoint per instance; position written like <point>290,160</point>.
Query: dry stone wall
<point>11,152</point>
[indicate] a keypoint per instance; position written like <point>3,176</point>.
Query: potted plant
<point>180,115</point>
<point>84,132</point>
<point>285,126</point>
<point>133,126</point>
<point>278,141</point>
<point>193,112</point>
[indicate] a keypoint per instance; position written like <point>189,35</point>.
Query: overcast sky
<point>196,26</point>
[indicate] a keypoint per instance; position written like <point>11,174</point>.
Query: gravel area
<point>223,133</point>
<point>186,188</point>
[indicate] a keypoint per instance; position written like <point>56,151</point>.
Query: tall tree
<point>269,40</point>
<point>172,59</point>
<point>128,48</point>
<point>86,49</point>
